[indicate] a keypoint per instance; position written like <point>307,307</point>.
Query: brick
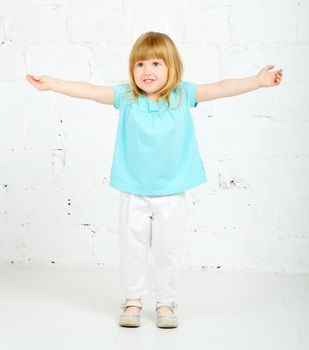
<point>207,26</point>
<point>39,24</point>
<point>57,61</point>
<point>13,65</point>
<point>302,20</point>
<point>256,25</point>
<point>20,98</point>
<point>13,134</point>
<point>25,169</point>
<point>104,68</point>
<point>99,25</point>
<point>201,65</point>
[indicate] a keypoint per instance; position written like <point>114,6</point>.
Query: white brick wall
<point>56,151</point>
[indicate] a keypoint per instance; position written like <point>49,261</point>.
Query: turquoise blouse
<point>156,151</point>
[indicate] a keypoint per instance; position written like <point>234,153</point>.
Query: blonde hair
<point>157,45</point>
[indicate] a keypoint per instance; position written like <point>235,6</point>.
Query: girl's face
<point>150,76</point>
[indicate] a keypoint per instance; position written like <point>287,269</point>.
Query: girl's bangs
<point>147,52</point>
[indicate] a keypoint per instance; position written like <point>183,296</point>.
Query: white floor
<point>77,308</point>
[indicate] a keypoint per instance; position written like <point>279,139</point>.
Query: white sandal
<point>131,319</point>
<point>167,320</point>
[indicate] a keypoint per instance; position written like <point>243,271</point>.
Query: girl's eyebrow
<point>153,59</point>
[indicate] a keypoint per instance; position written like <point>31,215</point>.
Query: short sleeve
<point>189,90</point>
<point>120,94</point>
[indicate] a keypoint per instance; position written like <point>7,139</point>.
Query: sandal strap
<point>171,305</point>
<point>132,302</point>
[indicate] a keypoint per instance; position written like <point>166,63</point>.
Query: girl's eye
<point>140,64</point>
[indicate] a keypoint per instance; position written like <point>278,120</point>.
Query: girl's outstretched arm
<point>79,89</point>
<point>232,87</point>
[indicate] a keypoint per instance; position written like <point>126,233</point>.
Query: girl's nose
<point>147,69</point>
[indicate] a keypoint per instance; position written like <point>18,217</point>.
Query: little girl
<point>156,160</point>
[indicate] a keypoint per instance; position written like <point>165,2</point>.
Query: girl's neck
<point>152,97</point>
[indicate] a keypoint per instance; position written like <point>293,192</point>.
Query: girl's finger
<point>269,66</point>
<point>34,77</point>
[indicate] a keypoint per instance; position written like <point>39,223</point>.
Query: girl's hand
<point>40,82</point>
<point>266,78</point>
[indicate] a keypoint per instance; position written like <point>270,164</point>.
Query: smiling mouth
<point>148,81</point>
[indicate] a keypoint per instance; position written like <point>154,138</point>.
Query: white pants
<point>157,224</point>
